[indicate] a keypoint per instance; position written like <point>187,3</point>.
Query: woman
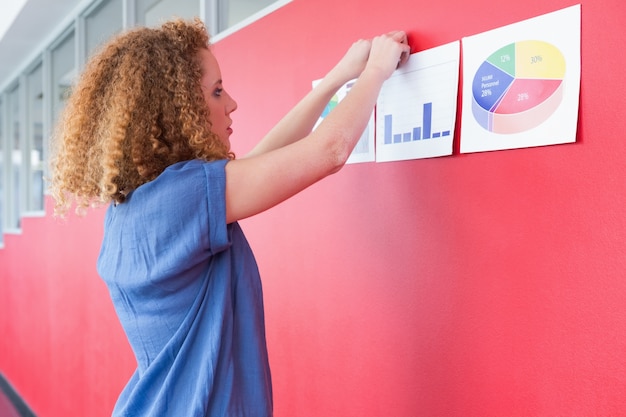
<point>147,129</point>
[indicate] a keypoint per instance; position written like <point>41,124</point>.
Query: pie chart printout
<point>518,87</point>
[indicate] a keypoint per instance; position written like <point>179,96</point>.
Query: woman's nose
<point>233,105</point>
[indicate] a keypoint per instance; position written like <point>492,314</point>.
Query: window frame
<point>14,198</point>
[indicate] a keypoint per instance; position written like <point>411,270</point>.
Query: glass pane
<point>102,23</point>
<point>2,155</point>
<point>35,139</point>
<point>238,10</point>
<point>154,12</point>
<point>63,69</point>
<point>13,206</point>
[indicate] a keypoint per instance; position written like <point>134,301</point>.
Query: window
<point>102,22</point>
<point>235,11</point>
<point>219,15</point>
<point>34,164</point>
<point>13,180</point>
<point>63,64</point>
<point>2,165</point>
<point>154,12</point>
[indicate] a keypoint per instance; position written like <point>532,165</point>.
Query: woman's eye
<point>218,92</point>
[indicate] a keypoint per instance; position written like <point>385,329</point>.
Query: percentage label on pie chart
<point>518,87</point>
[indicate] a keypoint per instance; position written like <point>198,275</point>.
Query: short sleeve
<point>215,173</point>
<point>169,226</point>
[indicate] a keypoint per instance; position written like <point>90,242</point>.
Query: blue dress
<point>187,291</point>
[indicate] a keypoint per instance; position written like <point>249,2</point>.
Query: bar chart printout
<point>418,133</point>
<point>416,108</point>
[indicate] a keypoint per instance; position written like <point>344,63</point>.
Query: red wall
<point>488,284</point>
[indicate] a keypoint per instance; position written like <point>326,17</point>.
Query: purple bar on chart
<point>388,129</point>
<point>417,133</point>
<point>427,119</point>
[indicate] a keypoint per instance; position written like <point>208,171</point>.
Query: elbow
<point>339,152</point>
<point>334,147</point>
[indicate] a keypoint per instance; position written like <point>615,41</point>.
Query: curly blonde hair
<point>137,108</point>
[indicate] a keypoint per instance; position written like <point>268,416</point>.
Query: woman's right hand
<point>363,53</point>
<point>388,52</point>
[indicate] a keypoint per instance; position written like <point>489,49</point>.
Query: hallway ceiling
<point>33,26</point>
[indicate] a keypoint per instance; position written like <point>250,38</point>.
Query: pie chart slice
<point>518,87</point>
<point>330,106</point>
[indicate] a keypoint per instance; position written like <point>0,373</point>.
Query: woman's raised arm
<point>300,120</point>
<point>291,158</point>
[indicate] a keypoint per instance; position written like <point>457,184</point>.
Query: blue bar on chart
<point>418,132</point>
<point>427,119</point>
<point>388,129</point>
